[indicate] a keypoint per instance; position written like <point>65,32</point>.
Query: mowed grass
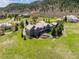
<point>4,20</point>
<point>12,46</point>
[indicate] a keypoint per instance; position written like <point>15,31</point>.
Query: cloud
<point>4,3</point>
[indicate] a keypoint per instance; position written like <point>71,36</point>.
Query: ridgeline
<point>46,7</point>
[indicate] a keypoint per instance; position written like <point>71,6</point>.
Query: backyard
<point>12,46</point>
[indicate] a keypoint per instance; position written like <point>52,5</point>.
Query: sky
<point>4,3</point>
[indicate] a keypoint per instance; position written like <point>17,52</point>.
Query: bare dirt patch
<point>64,52</point>
<point>7,43</point>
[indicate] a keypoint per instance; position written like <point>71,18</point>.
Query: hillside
<point>47,7</point>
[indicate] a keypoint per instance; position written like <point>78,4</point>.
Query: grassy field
<point>4,20</point>
<point>12,46</point>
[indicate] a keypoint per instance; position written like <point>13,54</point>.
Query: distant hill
<point>14,6</point>
<point>46,7</point>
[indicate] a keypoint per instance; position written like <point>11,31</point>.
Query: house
<point>30,30</point>
<point>37,29</point>
<point>41,27</point>
<point>5,26</point>
<point>10,25</point>
<point>71,18</point>
<point>2,16</point>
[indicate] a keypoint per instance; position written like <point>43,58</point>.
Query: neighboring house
<point>71,18</point>
<point>24,14</point>
<point>5,26</point>
<point>2,16</point>
<point>10,25</point>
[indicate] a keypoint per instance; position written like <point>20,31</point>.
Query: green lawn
<point>12,46</point>
<point>4,20</point>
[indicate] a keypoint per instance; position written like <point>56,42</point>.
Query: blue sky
<point>4,3</point>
